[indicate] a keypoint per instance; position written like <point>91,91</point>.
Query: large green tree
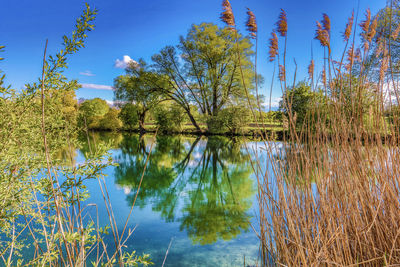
<point>209,68</point>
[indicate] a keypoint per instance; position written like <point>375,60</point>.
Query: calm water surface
<point>198,194</point>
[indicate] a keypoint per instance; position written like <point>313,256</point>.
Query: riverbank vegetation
<point>44,220</point>
<point>169,118</point>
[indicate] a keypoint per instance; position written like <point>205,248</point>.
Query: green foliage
<point>99,115</point>
<point>215,125</point>
<point>63,103</point>
<point>94,107</point>
<point>129,116</point>
<point>55,65</point>
<point>235,118</point>
<point>169,118</point>
<point>300,103</point>
<point>92,111</point>
<point>21,150</point>
<point>274,117</point>
<point>110,120</point>
<point>131,259</point>
<point>393,114</point>
<point>136,87</point>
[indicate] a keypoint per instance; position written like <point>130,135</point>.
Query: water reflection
<point>204,184</point>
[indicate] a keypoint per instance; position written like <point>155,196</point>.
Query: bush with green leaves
<point>169,118</point>
<point>298,103</point>
<point>129,116</point>
<point>235,118</point>
<point>110,120</point>
<point>91,111</point>
<point>215,125</point>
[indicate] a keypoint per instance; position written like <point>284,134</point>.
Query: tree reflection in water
<point>202,183</point>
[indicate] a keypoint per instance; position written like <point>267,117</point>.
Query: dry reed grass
<point>330,193</point>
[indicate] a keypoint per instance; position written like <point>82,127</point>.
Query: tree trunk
<point>142,116</point>
<point>192,119</point>
<point>214,103</point>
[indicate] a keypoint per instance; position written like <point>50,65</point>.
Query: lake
<point>197,197</point>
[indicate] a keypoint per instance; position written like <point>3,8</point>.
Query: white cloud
<point>115,103</point>
<point>274,102</point>
<point>87,73</point>
<point>389,92</point>
<point>124,62</point>
<point>96,86</point>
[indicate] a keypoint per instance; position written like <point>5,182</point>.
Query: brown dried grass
<point>331,196</point>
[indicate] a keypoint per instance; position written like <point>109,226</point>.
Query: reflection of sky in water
<point>215,183</point>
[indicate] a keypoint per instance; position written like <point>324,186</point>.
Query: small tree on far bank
<point>91,111</point>
<point>136,86</point>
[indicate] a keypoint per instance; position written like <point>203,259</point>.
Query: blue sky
<point>139,29</point>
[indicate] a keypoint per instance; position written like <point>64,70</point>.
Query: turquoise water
<point>197,196</point>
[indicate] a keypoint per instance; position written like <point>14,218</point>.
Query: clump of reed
<point>329,194</point>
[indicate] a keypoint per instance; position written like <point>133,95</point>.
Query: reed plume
<point>372,31</point>
<point>366,45</point>
<point>357,55</point>
<point>326,22</point>
<point>311,69</point>
<point>365,24</point>
<point>350,57</point>
<point>273,46</point>
<point>349,27</point>
<point>384,64</point>
<point>251,23</point>
<point>282,73</point>
<point>379,49</point>
<point>383,68</point>
<point>282,23</point>
<point>322,35</point>
<point>323,76</point>
<point>227,15</point>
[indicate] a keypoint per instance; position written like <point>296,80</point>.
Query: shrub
<point>129,116</point>
<point>169,118</point>
<point>110,121</point>
<point>234,118</point>
<point>215,125</point>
